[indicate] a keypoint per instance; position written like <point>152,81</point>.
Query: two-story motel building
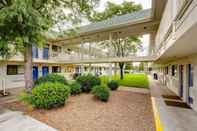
<point>172,25</point>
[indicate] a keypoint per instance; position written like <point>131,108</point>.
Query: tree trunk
<point>121,65</point>
<point>28,68</point>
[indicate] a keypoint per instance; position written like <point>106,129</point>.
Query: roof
<point>117,21</point>
<point>112,23</point>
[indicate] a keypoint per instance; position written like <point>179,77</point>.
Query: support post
<point>110,64</point>
<point>151,44</point>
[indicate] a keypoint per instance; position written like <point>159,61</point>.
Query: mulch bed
<point>125,111</point>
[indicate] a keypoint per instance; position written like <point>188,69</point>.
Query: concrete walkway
<point>170,117</point>
<point>16,121</point>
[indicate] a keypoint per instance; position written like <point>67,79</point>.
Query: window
<point>34,52</point>
<point>174,70</point>
<point>45,53</point>
<point>56,69</point>
<point>15,69</point>
<point>191,75</point>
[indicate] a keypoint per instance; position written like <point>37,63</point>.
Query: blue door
<point>35,72</point>
<point>181,69</point>
<point>45,53</point>
<point>45,71</point>
<point>190,83</point>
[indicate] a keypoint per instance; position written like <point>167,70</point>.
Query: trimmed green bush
<point>113,85</point>
<point>101,92</point>
<point>49,95</point>
<point>87,82</point>
<point>51,78</point>
<point>75,88</point>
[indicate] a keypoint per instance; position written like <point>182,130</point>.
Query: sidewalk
<point>171,114</point>
<point>17,121</point>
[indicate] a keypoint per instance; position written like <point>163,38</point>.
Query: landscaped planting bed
<point>88,104</point>
<point>124,111</point>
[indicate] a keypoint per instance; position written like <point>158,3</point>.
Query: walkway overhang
<point>112,60</point>
<point>129,30</point>
<point>138,23</point>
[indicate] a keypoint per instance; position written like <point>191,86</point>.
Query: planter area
<point>124,111</point>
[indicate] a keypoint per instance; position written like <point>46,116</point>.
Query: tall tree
<point>122,47</point>
<point>24,23</point>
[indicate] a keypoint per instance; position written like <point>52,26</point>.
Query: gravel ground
<point>125,111</point>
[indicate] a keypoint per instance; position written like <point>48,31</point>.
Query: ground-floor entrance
<point>35,72</point>
<point>181,80</point>
<point>45,71</point>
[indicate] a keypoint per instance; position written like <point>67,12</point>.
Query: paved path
<point>134,89</point>
<point>16,121</point>
<point>171,118</point>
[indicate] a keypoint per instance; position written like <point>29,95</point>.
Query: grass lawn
<point>130,80</point>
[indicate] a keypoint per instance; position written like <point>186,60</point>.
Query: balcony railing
<point>174,27</point>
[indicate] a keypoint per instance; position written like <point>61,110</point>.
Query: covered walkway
<point>171,114</point>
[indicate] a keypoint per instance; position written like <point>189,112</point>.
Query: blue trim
<point>181,68</point>
<point>190,81</point>
<point>35,73</point>
<point>45,71</point>
<point>190,100</point>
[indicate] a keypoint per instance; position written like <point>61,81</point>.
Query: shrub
<point>51,78</point>
<point>87,82</point>
<point>113,85</point>
<point>49,95</point>
<point>75,88</point>
<point>75,75</point>
<point>101,92</point>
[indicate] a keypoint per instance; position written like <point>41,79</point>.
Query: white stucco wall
<point>172,82</point>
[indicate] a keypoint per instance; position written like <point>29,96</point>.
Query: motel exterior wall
<point>174,82</point>
<point>17,80</point>
<point>172,38</point>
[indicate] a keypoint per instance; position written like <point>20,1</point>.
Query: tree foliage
<point>24,22</point>
<point>113,9</point>
<point>121,47</point>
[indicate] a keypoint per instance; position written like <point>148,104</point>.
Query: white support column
<point>50,69</point>
<point>89,68</point>
<point>115,68</point>
<point>185,84</point>
<point>39,70</point>
<point>151,44</point>
<point>110,64</point>
<point>81,57</point>
<point>50,51</point>
<point>81,52</point>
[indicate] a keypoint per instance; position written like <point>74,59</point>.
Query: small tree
<point>123,48</point>
<point>24,23</point>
